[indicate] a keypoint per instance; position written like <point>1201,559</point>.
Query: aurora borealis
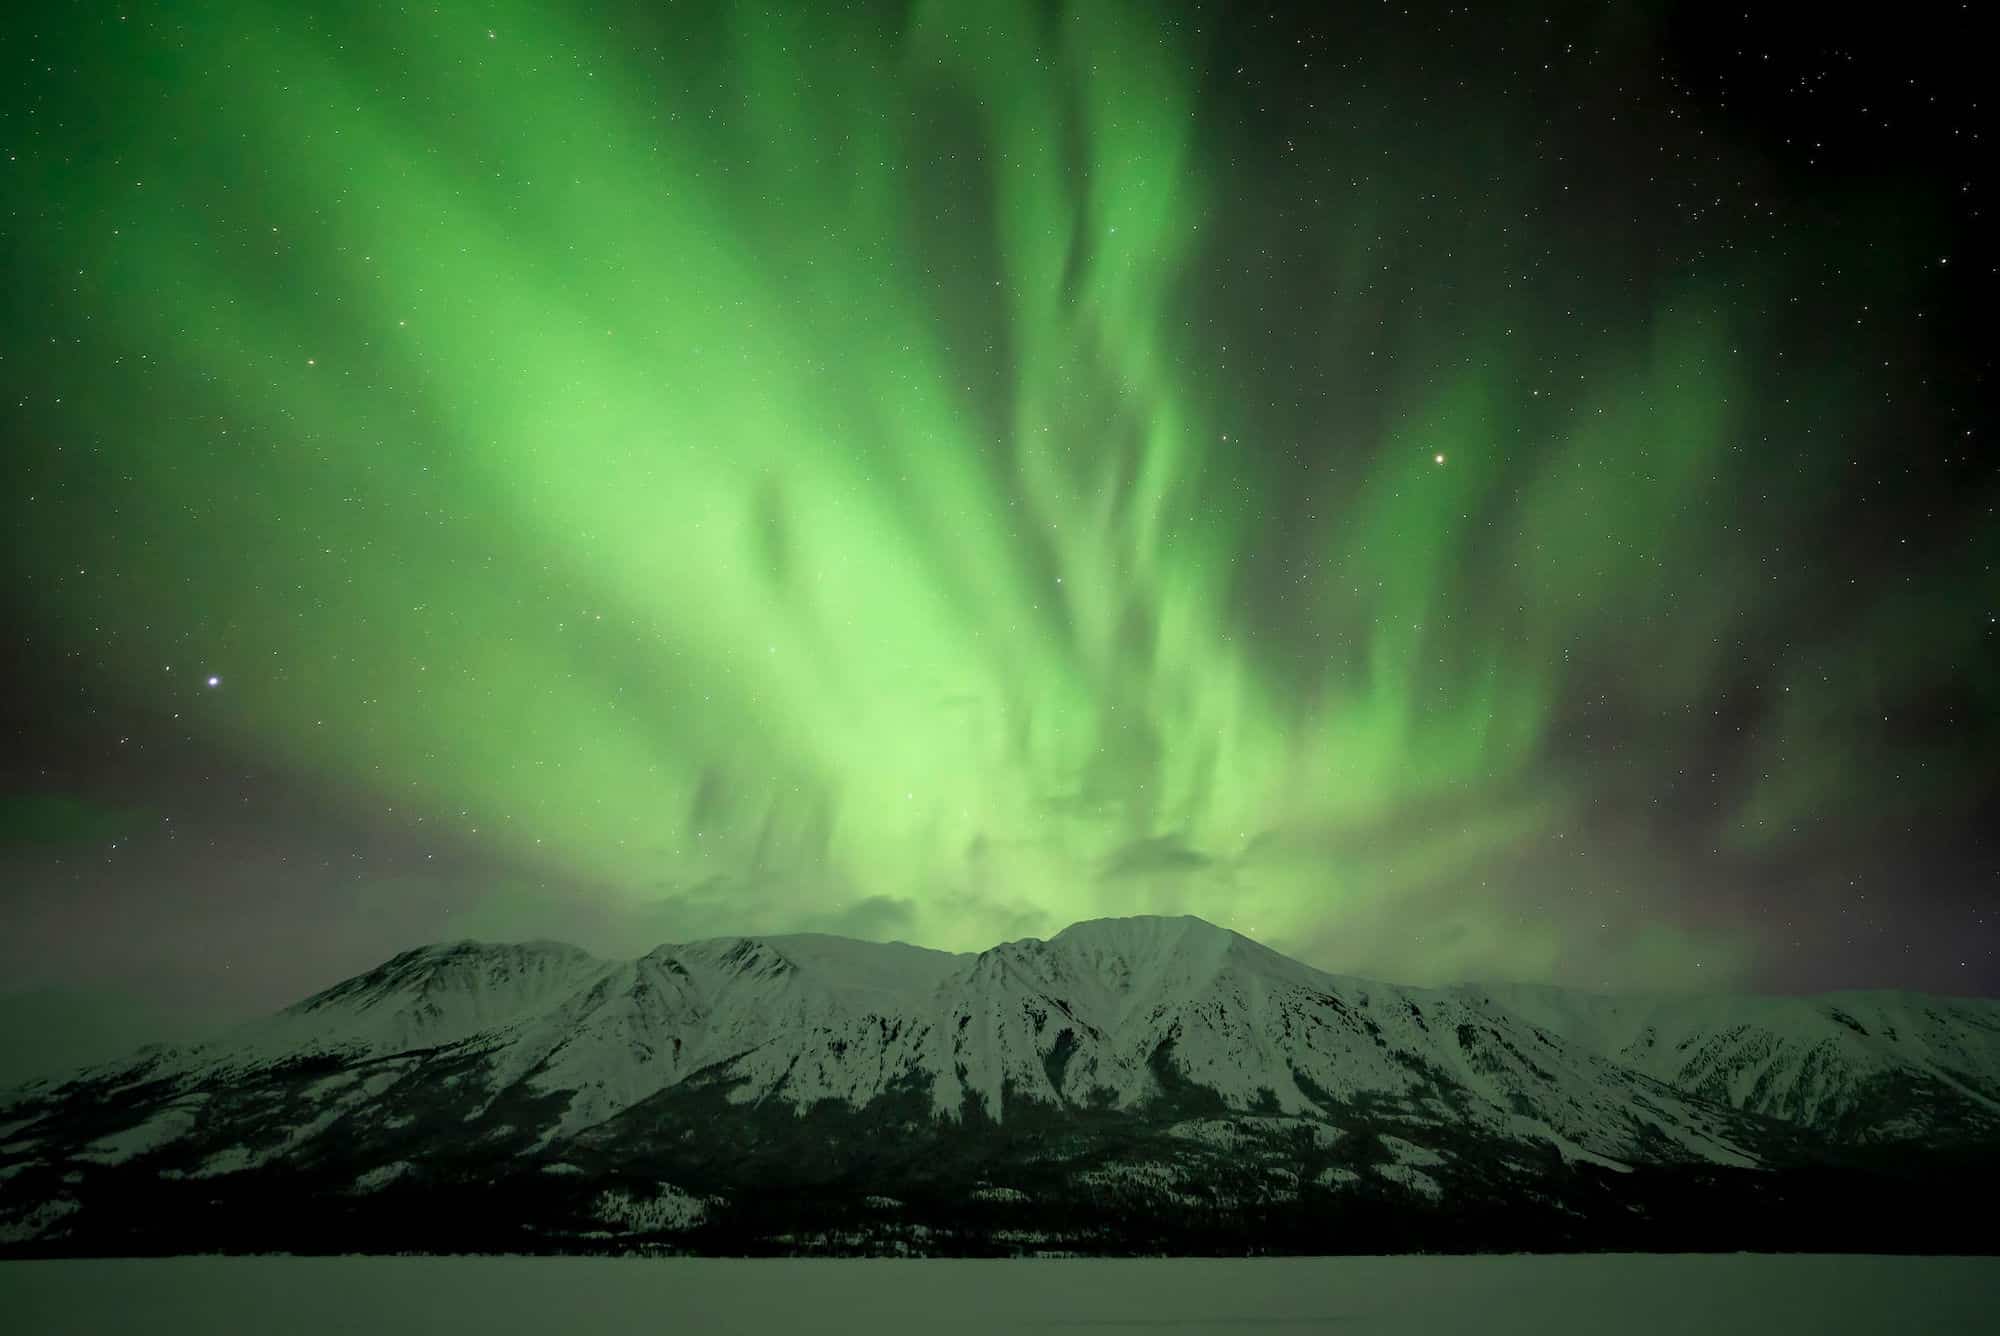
<point>1448,496</point>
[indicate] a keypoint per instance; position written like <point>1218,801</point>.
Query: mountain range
<point>1127,1085</point>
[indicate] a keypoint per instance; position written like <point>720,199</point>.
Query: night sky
<point>1449,494</point>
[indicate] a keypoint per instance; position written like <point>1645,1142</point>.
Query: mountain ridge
<point>1147,1063</point>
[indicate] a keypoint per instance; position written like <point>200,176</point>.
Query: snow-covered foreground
<point>1379,1296</point>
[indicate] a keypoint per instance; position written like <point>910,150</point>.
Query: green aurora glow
<point>782,468</point>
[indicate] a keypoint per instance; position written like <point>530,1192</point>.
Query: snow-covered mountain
<point>1858,1066</point>
<point>1123,1066</point>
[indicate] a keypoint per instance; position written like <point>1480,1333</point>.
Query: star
<point>215,681</point>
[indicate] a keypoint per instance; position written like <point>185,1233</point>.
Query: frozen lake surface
<point>1347,1296</point>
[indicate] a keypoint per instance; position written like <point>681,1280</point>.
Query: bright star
<point>215,681</point>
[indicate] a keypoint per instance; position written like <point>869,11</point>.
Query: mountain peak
<point>1144,926</point>
<point>1148,936</point>
<point>472,948</point>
